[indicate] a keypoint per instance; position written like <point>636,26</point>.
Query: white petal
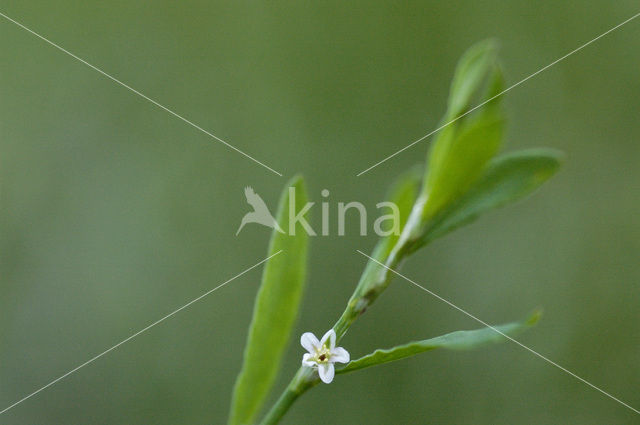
<point>331,336</point>
<point>340,355</point>
<point>309,342</point>
<point>326,372</point>
<point>306,361</point>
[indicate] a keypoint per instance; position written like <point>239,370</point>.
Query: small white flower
<point>323,354</point>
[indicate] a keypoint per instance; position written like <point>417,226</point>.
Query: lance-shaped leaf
<point>459,157</point>
<point>507,179</point>
<point>470,74</point>
<point>275,311</point>
<point>463,147</point>
<point>460,340</point>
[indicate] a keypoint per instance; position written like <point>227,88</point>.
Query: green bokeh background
<point>113,213</point>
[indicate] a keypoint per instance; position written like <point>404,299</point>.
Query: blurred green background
<point>113,213</point>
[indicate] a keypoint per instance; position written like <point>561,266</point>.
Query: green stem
<point>280,407</point>
<point>301,382</point>
<point>374,281</point>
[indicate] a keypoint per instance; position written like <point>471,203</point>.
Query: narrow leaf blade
<point>469,75</point>
<point>275,311</point>
<point>459,157</point>
<point>460,340</point>
<point>507,179</point>
<point>463,147</point>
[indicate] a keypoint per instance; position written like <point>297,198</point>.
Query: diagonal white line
<point>95,68</point>
<point>501,333</point>
<point>137,333</point>
<point>500,94</point>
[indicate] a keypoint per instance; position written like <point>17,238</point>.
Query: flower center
<point>323,354</point>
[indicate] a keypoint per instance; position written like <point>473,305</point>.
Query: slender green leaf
<point>507,179</point>
<point>471,72</point>
<point>274,313</point>
<point>459,157</point>
<point>460,340</point>
<point>463,148</point>
<point>495,85</point>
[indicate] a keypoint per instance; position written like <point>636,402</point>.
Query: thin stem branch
<point>280,407</point>
<point>301,382</point>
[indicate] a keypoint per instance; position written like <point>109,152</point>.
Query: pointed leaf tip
<point>459,340</point>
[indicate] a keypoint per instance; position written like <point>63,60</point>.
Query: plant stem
<point>373,282</point>
<point>280,407</point>
<point>301,382</point>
